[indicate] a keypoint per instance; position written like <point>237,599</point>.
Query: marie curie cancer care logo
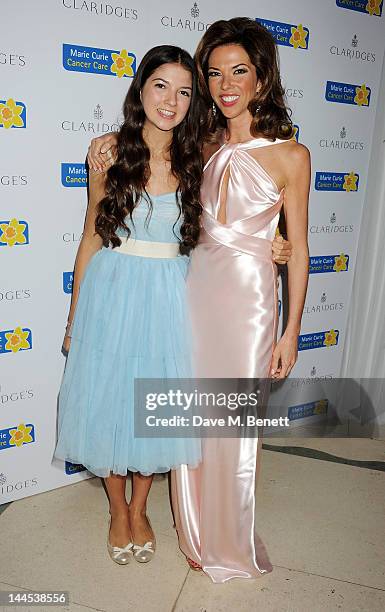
<point>73,468</point>
<point>15,340</point>
<point>17,436</point>
<point>68,279</point>
<point>287,34</point>
<point>336,181</point>
<point>370,7</point>
<point>13,114</point>
<point>302,411</point>
<point>318,340</point>
<point>14,232</point>
<point>77,58</point>
<point>345,93</point>
<point>73,175</point>
<point>329,263</point>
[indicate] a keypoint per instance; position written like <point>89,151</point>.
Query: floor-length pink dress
<point>232,288</point>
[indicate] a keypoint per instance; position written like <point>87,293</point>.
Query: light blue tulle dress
<point>130,322</point>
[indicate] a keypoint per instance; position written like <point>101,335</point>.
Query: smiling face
<point>232,80</point>
<point>166,96</point>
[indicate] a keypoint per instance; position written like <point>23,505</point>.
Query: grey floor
<point>323,523</point>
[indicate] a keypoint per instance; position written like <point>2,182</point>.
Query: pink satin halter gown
<point>232,288</point>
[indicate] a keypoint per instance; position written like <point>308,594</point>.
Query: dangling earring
<point>214,108</point>
<point>259,106</point>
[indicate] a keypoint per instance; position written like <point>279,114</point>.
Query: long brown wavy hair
<point>271,116</point>
<point>127,179</point>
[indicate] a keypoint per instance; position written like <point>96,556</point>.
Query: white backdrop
<point>60,86</point>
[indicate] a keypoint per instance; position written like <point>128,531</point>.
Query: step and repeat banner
<point>65,67</point>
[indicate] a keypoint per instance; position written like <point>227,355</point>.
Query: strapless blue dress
<point>131,322</point>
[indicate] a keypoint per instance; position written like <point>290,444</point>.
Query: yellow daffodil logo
<point>13,232</point>
<point>330,338</point>
<point>295,133</point>
<point>340,263</point>
<point>373,7</point>
<point>122,65</point>
<point>298,37</point>
<point>350,182</point>
<point>17,340</point>
<point>10,113</point>
<point>321,407</point>
<point>21,435</point>
<point>362,95</point>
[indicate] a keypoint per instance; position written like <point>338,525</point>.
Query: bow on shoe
<point>144,554</point>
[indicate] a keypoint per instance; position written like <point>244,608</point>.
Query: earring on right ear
<point>214,109</point>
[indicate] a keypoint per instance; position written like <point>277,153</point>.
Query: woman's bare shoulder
<point>299,150</point>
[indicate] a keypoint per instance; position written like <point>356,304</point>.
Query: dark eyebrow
<point>168,83</point>
<point>237,66</point>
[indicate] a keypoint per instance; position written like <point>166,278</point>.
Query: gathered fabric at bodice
<point>253,201</point>
<point>160,225</point>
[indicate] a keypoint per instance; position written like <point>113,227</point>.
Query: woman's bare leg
<point>141,529</point>
<point>120,532</point>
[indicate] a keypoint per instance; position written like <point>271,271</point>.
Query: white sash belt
<point>142,248</point>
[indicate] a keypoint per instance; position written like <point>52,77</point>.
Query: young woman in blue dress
<point>128,313</point>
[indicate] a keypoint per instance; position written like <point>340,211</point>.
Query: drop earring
<point>214,109</point>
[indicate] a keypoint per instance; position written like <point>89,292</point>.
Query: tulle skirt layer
<point>131,322</point>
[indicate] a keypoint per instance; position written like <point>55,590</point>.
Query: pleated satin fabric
<point>232,295</point>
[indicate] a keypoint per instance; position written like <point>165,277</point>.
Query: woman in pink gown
<point>232,284</point>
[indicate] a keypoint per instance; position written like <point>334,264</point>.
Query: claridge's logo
<point>341,142</point>
<point>78,58</point>
<point>322,306</point>
<point>15,340</point>
<point>370,7</point>
<point>329,263</point>
<point>17,436</point>
<point>191,25</point>
<point>296,36</point>
<point>336,181</point>
<point>12,114</point>
<point>101,9</point>
<point>13,232</point>
<point>350,50</point>
<point>95,126</point>
<point>344,93</point>
<point>318,340</point>
<point>98,112</point>
<point>195,11</point>
<point>331,228</point>
<point>73,175</point>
